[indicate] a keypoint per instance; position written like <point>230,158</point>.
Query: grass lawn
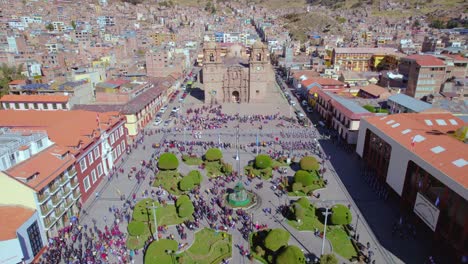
<point>191,161</point>
<point>263,173</point>
<point>209,247</point>
<point>169,181</point>
<point>168,215</point>
<point>157,251</point>
<point>341,242</point>
<point>277,163</point>
<point>309,223</point>
<point>134,242</point>
<point>213,168</point>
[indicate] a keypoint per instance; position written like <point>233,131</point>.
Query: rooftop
<point>409,102</point>
<point>431,133</point>
<point>426,60</point>
<point>11,140</point>
<point>34,98</point>
<point>12,218</point>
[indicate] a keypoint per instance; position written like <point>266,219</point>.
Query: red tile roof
<point>326,81</point>
<point>17,82</point>
<point>36,98</point>
<point>436,129</point>
<point>426,60</point>
<point>12,218</point>
<point>42,168</point>
<point>66,128</point>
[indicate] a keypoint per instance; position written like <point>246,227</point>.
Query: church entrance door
<point>235,97</point>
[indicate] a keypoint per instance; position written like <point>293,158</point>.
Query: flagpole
<point>257,143</point>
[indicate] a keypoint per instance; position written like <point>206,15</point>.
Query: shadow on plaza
<point>198,93</point>
<point>379,214</point>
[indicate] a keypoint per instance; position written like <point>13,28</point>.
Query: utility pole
<point>155,220</point>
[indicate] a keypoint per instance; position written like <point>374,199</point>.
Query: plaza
<point>241,132</point>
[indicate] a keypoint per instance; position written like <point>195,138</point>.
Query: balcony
<point>66,191</point>
<point>74,183</point>
<point>76,195</point>
<point>59,211</point>
<point>49,221</point>
<point>71,172</point>
<point>69,202</point>
<point>56,200</point>
<point>54,188</point>
<point>64,180</point>
<point>41,198</point>
<point>45,210</point>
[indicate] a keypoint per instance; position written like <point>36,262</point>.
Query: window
<point>123,145</point>
<point>34,238</point>
<point>16,105</point>
<point>83,164</point>
<point>46,106</point>
<point>54,106</point>
<point>121,131</point>
<point>99,169</point>
<point>118,151</point>
<point>116,134</point>
<point>96,152</point>
<point>64,106</point>
<point>93,176</point>
<point>113,155</point>
<point>112,139</point>
<point>35,106</point>
<point>39,143</point>
<point>86,184</point>
<point>90,158</point>
<point>26,106</point>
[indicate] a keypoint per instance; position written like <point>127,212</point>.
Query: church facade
<point>236,77</point>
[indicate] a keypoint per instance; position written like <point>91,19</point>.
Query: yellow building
<point>13,191</point>
<point>160,38</point>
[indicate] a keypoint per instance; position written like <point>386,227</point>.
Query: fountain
<point>240,197</point>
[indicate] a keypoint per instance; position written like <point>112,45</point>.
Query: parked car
<point>304,103</point>
<point>163,109</point>
<point>292,102</point>
<point>157,122</point>
<point>309,109</point>
<point>300,114</point>
<point>167,122</point>
<point>175,109</point>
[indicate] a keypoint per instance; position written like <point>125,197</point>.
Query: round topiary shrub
<point>168,161</point>
<point>304,202</point>
<point>289,255</point>
<point>262,161</point>
<point>299,212</point>
<point>196,177</point>
<point>186,183</point>
<point>276,238</point>
<point>136,228</point>
<point>185,209</point>
<point>304,177</point>
<point>309,163</point>
<point>182,199</point>
<point>341,215</point>
<point>213,154</point>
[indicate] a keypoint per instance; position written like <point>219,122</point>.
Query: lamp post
<point>153,207</point>
<point>325,228</point>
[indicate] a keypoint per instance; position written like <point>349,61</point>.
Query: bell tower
<point>212,72</point>
<point>258,72</point>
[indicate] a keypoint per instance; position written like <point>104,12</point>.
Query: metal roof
<point>410,102</point>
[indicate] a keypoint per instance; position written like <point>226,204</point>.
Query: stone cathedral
<point>237,77</point>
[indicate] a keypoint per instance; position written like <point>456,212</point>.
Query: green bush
<point>213,154</point>
<point>299,212</point>
<point>196,177</point>
<point>309,163</point>
<point>226,168</point>
<point>168,161</point>
<point>136,228</point>
<point>276,238</point>
<point>182,199</point>
<point>186,183</point>
<point>341,215</point>
<point>304,202</point>
<point>328,259</point>
<point>291,255</point>
<point>303,177</point>
<point>185,209</point>
<point>262,161</point>
<point>297,187</point>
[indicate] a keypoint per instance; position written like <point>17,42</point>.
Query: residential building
<point>425,74</point>
<point>21,238</point>
<point>402,103</point>
<point>432,44</point>
<point>359,59</point>
<point>421,160</point>
<point>373,91</point>
<point>163,38</point>
<point>341,114</point>
<point>35,102</point>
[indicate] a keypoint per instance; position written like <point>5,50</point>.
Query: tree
<point>452,24</point>
<point>50,27</point>
<point>186,183</point>
<point>303,177</point>
<point>136,228</point>
<point>8,74</point>
<point>182,199</point>
<point>73,24</point>
<point>168,161</point>
<point>341,215</point>
<point>276,239</point>
<point>309,163</point>
<point>439,24</point>
<point>299,212</point>
<point>304,202</point>
<point>328,259</point>
<point>185,209</point>
<point>213,154</point>
<point>291,255</point>
<point>262,161</point>
<point>196,176</point>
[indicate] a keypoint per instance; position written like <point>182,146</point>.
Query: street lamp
<point>153,207</point>
<point>325,228</point>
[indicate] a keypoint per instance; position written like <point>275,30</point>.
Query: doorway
<point>235,97</point>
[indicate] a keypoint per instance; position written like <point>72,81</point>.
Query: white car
<point>163,109</point>
<point>300,114</point>
<point>292,103</point>
<point>175,109</point>
<point>304,103</point>
<point>167,122</point>
<point>157,122</point>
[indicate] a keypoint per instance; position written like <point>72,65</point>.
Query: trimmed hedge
<point>213,154</point>
<point>291,255</point>
<point>341,215</point>
<point>168,161</point>
<point>182,199</point>
<point>263,161</point>
<point>185,209</point>
<point>136,228</point>
<point>186,184</point>
<point>276,239</point>
<point>303,177</point>
<point>304,202</point>
<point>309,163</point>
<point>299,211</point>
<point>196,177</point>
<point>329,259</point>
